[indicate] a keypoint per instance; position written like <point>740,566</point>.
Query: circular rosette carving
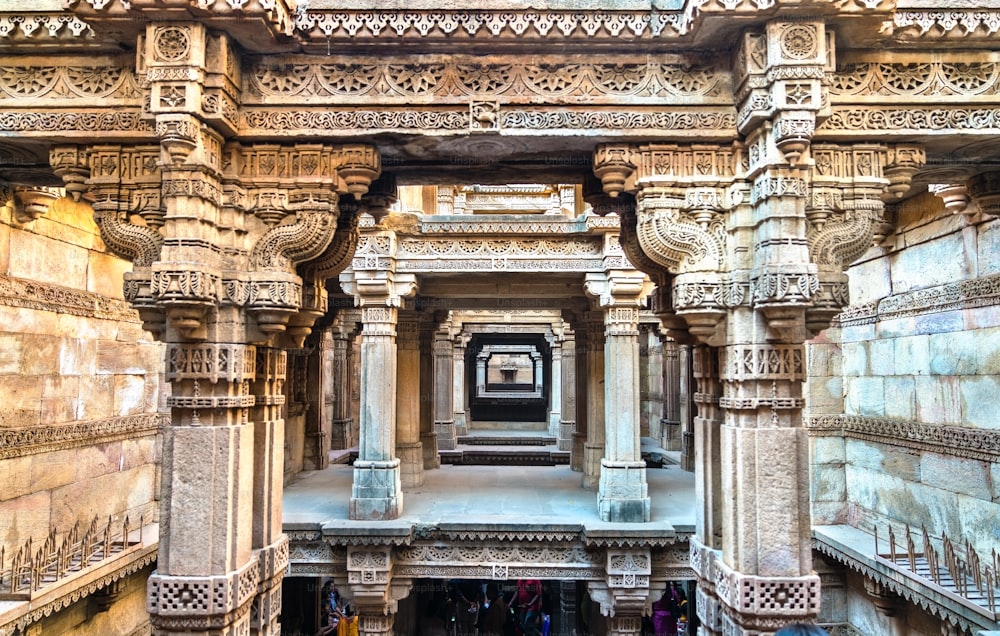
<point>348,79</point>
<point>415,79</point>
<point>799,42</point>
<point>906,79</point>
<point>620,78</point>
<point>489,79</point>
<point>171,43</point>
<point>19,81</point>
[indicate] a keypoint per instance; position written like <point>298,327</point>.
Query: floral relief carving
<point>463,78</point>
<point>932,78</point>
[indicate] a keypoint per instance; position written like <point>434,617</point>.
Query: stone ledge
<point>855,549</point>
<point>16,442</point>
<point>27,294</point>
<point>955,441</point>
<point>966,294</point>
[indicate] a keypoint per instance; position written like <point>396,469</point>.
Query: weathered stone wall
<point>80,380</point>
<point>919,358</point>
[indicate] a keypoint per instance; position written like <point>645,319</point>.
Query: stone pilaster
<point>567,423</point>
<point>593,449</point>
<point>670,423</point>
<point>555,386</point>
<point>428,436</point>
<point>459,395</point>
<point>444,366</point>
<point>582,353</point>
<point>408,446</point>
<point>319,400</point>
<point>342,332</point>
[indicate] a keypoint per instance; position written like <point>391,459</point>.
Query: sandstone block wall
<point>80,381</point>
<point>917,370</point>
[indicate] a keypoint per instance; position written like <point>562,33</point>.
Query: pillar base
<point>411,459</point>
<point>576,457</point>
<point>446,436</point>
<point>592,456</point>
<point>461,425</point>
<point>565,440</point>
<point>429,441</point>
<point>377,491</point>
<point>555,421</point>
<point>342,434</point>
<point>622,495</point>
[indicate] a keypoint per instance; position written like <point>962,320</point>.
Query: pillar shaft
<point>622,493</point>
<point>408,446</point>
<point>341,424</point>
<point>458,395</point>
<point>594,446</point>
<point>428,436</point>
<point>567,423</point>
<point>555,389</point>
<point>376,492</point>
<point>444,411</point>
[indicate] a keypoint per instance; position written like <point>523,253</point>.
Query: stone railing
<point>957,570</point>
<point>28,570</point>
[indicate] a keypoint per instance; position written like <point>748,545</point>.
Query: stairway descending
<point>506,448</point>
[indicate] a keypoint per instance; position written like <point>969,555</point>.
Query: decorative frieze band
<point>44,124</point>
<point>19,292</point>
<point>984,121</point>
<point>952,23</point>
<point>966,294</point>
<point>16,442</point>
<point>42,26</point>
<point>393,25</point>
<point>458,79</point>
<point>702,123</point>
<point>958,441</point>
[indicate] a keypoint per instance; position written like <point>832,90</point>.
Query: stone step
<point>504,457</point>
<point>507,440</point>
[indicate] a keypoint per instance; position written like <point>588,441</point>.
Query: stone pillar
<point>539,372</point>
<point>269,443</point>
<point>376,492</point>
<point>444,410</point>
<point>555,387</point>
<point>687,409</point>
<point>707,471</point>
<point>622,494</point>
<point>593,449</point>
<point>567,607</point>
<point>342,424</point>
<point>458,394</point>
<point>670,424</point>
<point>408,446</point>
<point>318,387</point>
<point>428,436</point>
<point>567,425</point>
<point>582,352</point>
<point>481,360</point>
<point>219,276</point>
<point>375,591</point>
